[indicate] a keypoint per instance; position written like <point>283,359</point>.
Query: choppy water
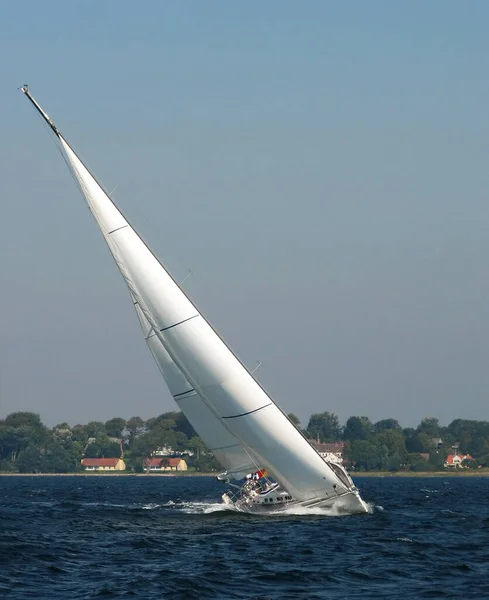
<point>168,538</point>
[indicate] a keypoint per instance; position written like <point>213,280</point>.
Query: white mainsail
<point>224,446</point>
<point>211,379</point>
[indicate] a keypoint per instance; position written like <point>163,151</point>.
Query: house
<point>163,451</point>
<point>330,451</point>
<point>103,464</point>
<point>425,456</point>
<point>168,451</point>
<point>455,461</point>
<point>165,464</point>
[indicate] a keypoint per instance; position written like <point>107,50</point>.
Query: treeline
<point>387,446</point>
<point>28,446</point>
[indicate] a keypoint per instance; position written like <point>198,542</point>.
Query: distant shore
<point>454,473</point>
<point>110,474</point>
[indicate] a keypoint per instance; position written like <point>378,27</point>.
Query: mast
<point>239,403</point>
<point>25,90</point>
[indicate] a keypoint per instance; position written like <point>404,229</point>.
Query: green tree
<point>430,426</point>
<point>95,428</point>
<point>59,458</point>
<point>79,434</point>
<point>23,419</point>
<point>484,460</point>
<point>180,423</point>
<point>387,424</point>
<point>164,421</point>
<point>197,446</point>
<point>393,440</point>
<point>418,463</point>
<point>419,442</point>
<point>324,426</point>
<point>295,420</point>
<point>30,460</point>
<point>10,443</point>
<point>62,427</point>
<point>115,426</point>
<point>358,428</point>
<point>102,447</point>
<point>14,440</point>
<point>366,456</point>
<point>135,426</point>
<point>437,459</point>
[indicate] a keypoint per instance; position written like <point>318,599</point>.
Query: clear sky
<point>321,167</point>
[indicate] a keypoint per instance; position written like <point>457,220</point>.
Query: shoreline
<point>454,473</point>
<point>399,474</point>
<point>109,474</point>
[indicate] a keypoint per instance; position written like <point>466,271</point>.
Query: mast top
<point>25,90</point>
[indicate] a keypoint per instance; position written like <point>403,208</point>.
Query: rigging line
<point>186,277</point>
<point>257,367</point>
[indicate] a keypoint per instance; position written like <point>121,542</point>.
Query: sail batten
<point>227,407</point>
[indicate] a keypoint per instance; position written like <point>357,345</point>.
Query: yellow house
<point>165,464</point>
<point>103,464</point>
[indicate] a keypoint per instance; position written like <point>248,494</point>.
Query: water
<point>169,538</point>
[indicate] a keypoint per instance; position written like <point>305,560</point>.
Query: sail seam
<point>179,323</point>
<point>226,447</point>
<point>249,412</point>
<point>183,393</point>
<point>117,229</point>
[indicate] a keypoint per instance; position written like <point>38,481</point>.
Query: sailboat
<point>269,464</point>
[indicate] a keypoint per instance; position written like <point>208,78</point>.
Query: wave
<point>216,507</point>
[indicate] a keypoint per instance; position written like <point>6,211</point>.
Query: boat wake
<point>207,508</point>
<point>215,508</point>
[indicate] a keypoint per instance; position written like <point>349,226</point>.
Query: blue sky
<point>321,167</point>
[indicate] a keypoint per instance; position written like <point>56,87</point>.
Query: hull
<point>273,499</point>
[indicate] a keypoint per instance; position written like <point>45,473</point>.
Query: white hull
<point>266,497</point>
<point>349,503</point>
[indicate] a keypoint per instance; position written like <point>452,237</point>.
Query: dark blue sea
<point>153,537</point>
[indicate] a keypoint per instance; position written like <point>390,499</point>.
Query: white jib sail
<point>212,370</point>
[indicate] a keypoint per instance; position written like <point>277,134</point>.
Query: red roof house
<point>455,460</point>
<point>165,464</point>
<point>103,464</point>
